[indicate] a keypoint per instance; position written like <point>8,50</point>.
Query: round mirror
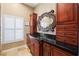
<point>47,22</point>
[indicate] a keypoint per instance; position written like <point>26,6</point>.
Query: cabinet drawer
<point>60,52</point>
<point>70,36</point>
<point>67,27</point>
<point>70,33</point>
<point>72,41</point>
<point>70,27</point>
<point>46,49</point>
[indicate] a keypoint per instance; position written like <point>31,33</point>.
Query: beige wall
<point>16,10</point>
<point>45,7</point>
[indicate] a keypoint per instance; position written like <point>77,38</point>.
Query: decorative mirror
<point>47,21</point>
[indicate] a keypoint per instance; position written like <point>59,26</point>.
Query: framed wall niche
<point>47,22</point>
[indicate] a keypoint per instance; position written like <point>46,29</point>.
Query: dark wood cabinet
<point>33,23</point>
<point>66,28</point>
<point>65,12</point>
<point>50,50</point>
<point>46,49</point>
<point>34,46</point>
<point>42,48</point>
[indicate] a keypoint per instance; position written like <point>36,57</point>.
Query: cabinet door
<point>30,44</point>
<point>34,46</point>
<point>70,34</point>
<point>60,52</point>
<point>46,49</point>
<point>60,33</point>
<point>66,29</point>
<point>36,50</point>
<point>52,50</point>
<point>65,12</point>
<point>71,37</point>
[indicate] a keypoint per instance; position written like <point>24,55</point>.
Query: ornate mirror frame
<point>51,26</point>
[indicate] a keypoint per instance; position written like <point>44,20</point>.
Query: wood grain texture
<point>66,28</point>
<point>33,23</point>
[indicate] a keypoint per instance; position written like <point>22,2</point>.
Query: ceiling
<point>33,5</point>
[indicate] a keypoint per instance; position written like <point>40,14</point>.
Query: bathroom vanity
<point>66,40</point>
<point>47,45</point>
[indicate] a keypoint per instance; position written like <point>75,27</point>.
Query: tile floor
<point>20,51</point>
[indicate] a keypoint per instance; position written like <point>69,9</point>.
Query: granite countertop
<point>51,39</point>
